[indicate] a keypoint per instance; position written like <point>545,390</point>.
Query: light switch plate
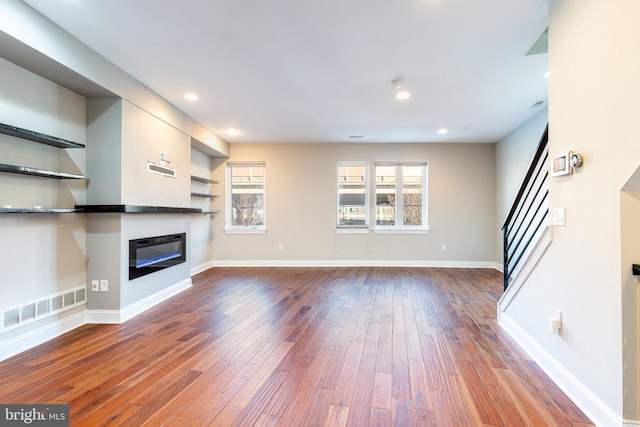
<point>558,216</point>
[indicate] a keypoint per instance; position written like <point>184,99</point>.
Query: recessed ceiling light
<point>547,74</point>
<point>234,131</point>
<point>402,95</point>
<point>442,131</point>
<point>191,96</point>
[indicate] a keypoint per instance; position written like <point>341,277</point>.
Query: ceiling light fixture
<point>397,84</point>
<point>442,131</point>
<point>234,131</point>
<point>401,94</point>
<point>191,96</point>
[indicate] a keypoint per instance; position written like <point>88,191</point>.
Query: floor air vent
<point>31,311</point>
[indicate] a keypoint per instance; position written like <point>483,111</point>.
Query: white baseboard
<point>353,263</point>
<point>533,256</point>
<point>202,267</point>
<point>132,310</point>
<point>41,335</point>
<point>589,403</point>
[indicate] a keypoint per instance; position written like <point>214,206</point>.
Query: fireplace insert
<point>152,254</point>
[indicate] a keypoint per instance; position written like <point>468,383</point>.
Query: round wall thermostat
<point>575,160</point>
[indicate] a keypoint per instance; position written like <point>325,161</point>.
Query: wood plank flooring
<point>300,347</point>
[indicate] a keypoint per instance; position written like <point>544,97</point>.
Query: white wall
<point>513,157</point>
<point>104,153</point>
<point>40,254</point>
<point>20,22</point>
<point>143,138</point>
<point>201,225</point>
<point>122,138</point>
<point>594,63</point>
<point>301,207</point>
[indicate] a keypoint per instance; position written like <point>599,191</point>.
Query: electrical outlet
<point>104,285</point>
<point>95,286</point>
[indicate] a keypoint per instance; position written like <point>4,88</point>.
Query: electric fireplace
<point>152,254</point>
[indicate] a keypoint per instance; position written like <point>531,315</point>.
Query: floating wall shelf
<point>36,211</point>
<point>38,137</point>
<point>136,209</point>
<point>204,180</point>
<point>210,196</point>
<point>24,170</point>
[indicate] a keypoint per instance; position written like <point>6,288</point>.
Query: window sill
<point>353,230</point>
<point>401,230</point>
<point>245,231</point>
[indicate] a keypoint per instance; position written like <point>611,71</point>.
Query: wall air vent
<point>18,315</point>
<point>161,169</point>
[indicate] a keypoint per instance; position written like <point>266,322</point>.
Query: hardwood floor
<point>300,347</point>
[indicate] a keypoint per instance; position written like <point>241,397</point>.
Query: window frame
<point>367,197</point>
<point>244,229</point>
<point>399,226</point>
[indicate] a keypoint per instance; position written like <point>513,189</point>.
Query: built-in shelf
<point>24,170</point>
<point>204,180</point>
<point>33,210</point>
<point>206,195</point>
<point>136,209</point>
<point>38,137</point>
<point>213,212</point>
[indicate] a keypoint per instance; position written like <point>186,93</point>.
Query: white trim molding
<point>533,256</point>
<point>202,267</point>
<point>32,338</point>
<point>132,310</point>
<point>41,335</point>
<point>589,403</point>
<point>354,263</point>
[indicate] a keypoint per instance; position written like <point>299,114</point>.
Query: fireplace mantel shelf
<point>136,209</point>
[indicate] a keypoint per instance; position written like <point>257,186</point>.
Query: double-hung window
<point>398,194</point>
<point>401,196</point>
<point>245,210</point>
<point>353,195</point>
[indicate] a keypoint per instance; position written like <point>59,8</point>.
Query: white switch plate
<point>558,216</point>
<point>104,285</point>
<point>95,286</point>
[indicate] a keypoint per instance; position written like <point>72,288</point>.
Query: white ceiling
<point>320,71</point>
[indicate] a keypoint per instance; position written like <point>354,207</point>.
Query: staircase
<point>526,219</point>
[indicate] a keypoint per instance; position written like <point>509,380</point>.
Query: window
<point>400,195</point>
<point>401,199</point>
<point>245,191</point>
<point>353,203</point>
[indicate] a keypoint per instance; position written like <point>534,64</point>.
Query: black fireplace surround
<point>152,254</point>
